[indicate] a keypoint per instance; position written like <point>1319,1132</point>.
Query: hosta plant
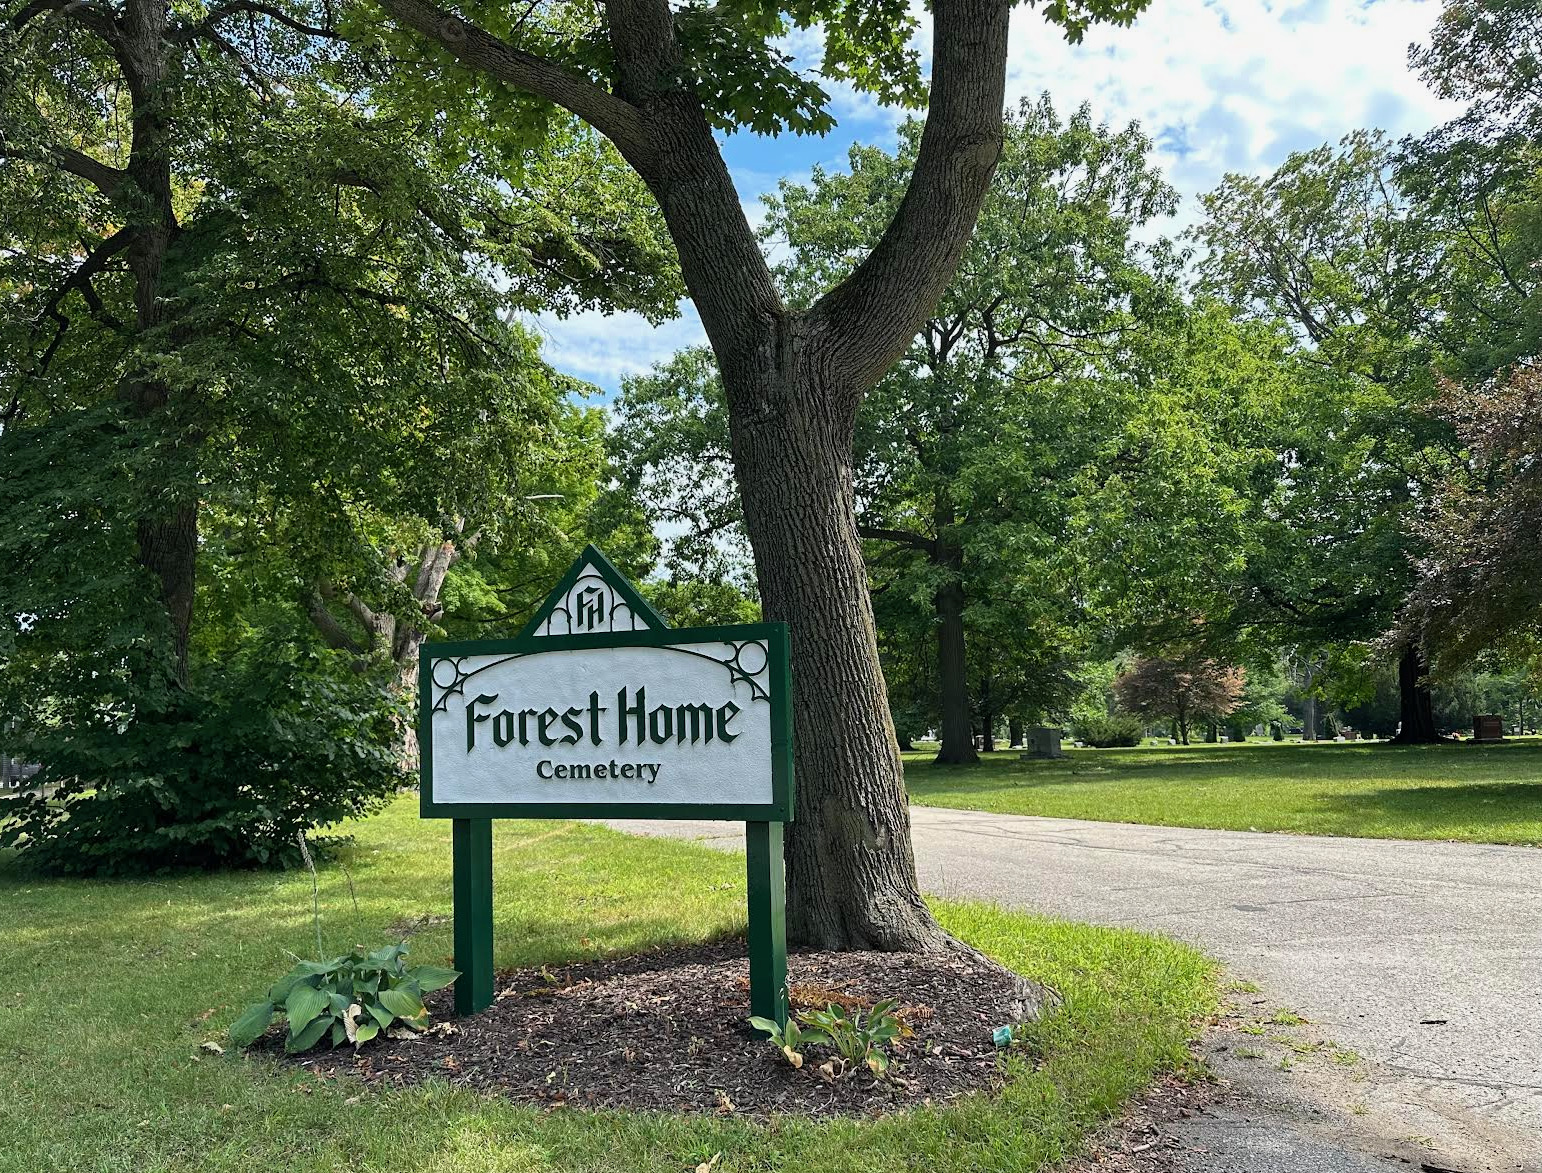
<point>790,1039</point>
<point>349,999</point>
<point>859,1039</point>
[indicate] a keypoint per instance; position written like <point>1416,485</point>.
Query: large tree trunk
<point>957,748</point>
<point>167,535</point>
<point>1014,732</point>
<point>1309,719</point>
<point>168,549</point>
<point>1417,705</point>
<point>851,881</point>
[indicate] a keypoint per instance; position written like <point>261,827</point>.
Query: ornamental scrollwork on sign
<point>747,661</point>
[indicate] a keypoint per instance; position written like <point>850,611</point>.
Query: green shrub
<point>1109,732</point>
<point>349,999</point>
<point>227,772</point>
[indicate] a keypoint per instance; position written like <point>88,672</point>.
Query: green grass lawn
<point>1481,793</point>
<point>110,989</point>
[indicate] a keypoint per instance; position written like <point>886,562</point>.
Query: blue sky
<point>1219,85</point>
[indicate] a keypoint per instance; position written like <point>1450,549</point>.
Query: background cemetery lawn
<point>111,988</point>
<point>1480,793</point>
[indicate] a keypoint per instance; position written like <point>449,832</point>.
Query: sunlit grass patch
<point>1473,792</point>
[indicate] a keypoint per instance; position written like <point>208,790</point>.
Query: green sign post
<point>600,709</point>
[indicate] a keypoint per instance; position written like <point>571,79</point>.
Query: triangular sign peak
<point>593,598</point>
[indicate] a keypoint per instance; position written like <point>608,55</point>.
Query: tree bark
<point>957,748</point>
<point>1309,719</point>
<point>1014,732</point>
<point>167,536</point>
<point>850,869</point>
<point>1416,704</point>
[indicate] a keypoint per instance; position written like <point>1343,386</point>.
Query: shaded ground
<point>1481,793</point>
<point>665,1030</point>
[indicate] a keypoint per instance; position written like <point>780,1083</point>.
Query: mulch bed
<point>666,1031</point>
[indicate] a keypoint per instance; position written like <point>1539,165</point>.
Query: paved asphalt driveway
<point>1425,958</point>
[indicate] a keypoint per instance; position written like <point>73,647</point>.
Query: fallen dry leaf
<point>709,1166</point>
<point>213,1048</point>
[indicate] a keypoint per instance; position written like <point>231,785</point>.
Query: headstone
<point>1044,742</point>
<point>1488,727</point>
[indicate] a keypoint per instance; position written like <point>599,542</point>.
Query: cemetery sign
<point>598,708</point>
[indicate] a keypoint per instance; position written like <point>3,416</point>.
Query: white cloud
<point>604,349</point>
<point>1236,85</point>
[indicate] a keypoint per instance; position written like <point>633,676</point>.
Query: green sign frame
<point>472,822</point>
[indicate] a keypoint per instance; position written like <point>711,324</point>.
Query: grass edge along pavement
<point>112,988</point>
<point>1477,793</point>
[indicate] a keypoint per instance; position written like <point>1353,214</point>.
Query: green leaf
<point>401,1003</point>
<point>379,1013</point>
<point>770,1028</point>
<point>339,1033</point>
<point>308,1037</point>
<point>247,1029</point>
<point>367,1030</point>
<point>302,1005</point>
<point>433,977</point>
<point>387,957</point>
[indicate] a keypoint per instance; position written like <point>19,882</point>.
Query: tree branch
<point>612,117</point>
<point>871,316</point>
<point>88,16</point>
<point>219,12</point>
<point>258,83</point>
<point>80,280</point>
<point>333,632</point>
<point>904,537</point>
<point>433,564</point>
<point>361,611</point>
<point>104,178</point>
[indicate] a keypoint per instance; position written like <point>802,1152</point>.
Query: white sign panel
<point>679,724</point>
